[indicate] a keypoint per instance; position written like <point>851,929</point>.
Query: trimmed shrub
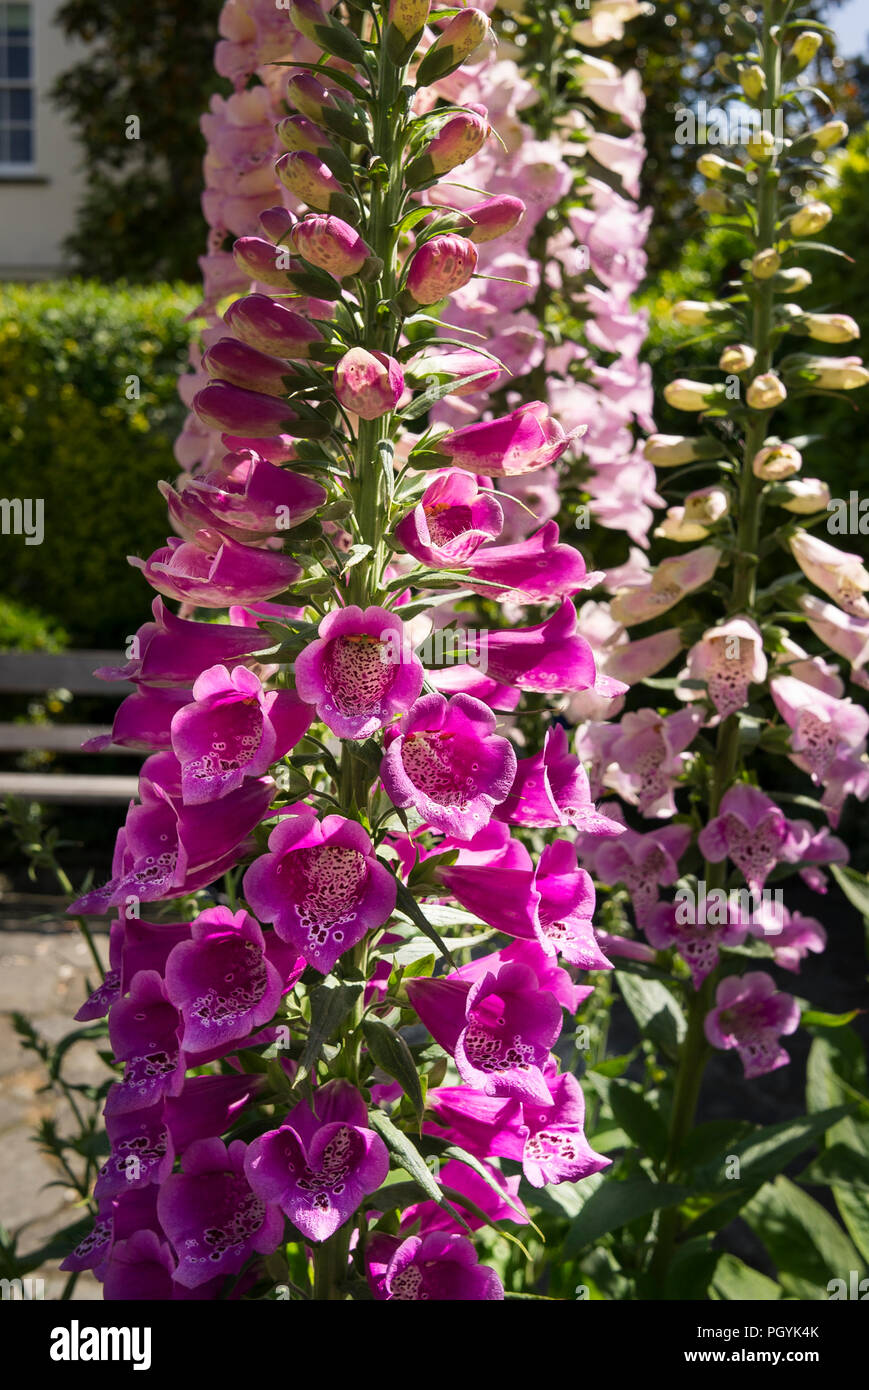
<point>88,413</point>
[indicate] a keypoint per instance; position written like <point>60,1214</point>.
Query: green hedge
<point>69,435</point>
<point>842,456</point>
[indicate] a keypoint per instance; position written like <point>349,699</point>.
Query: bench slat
<point>45,786</point>
<point>55,738</point>
<point>29,673</point>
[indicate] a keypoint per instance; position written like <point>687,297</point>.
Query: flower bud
<point>792,281</point>
<point>330,244</point>
<point>752,80</point>
<point>336,39</point>
<point>765,263</point>
<point>726,66</point>
<point>683,394</point>
<point>832,373</point>
<point>406,20</point>
<point>677,527</point>
<point>803,50</point>
<point>222,406</point>
<point>492,218</point>
<point>456,366</point>
<point>305,91</point>
<point>811,218</point>
<point>457,41</point>
<point>262,260</point>
<point>737,357</point>
<point>711,166</point>
<point>440,267</point>
<point>801,495</point>
<point>307,178</point>
<point>762,147</point>
<point>695,313</point>
<point>707,505</point>
<point>369,384</point>
<point>775,462</point>
<point>243,365</point>
<point>824,138</point>
<point>829,328</point>
<point>766,392</point>
<point>298,133</point>
<point>269,326</point>
<point>671,450</point>
<point>459,140</point>
<point>714,200</point>
<point>275,223</point>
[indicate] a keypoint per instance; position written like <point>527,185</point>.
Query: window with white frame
<point>17,94</point>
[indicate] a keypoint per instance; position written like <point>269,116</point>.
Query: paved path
<point>42,975</point>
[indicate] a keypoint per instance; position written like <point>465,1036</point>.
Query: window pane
<point>19,60</point>
<point>4,59</point>
<point>17,19</point>
<point>21,146</point>
<point>4,146</point>
<point>4,106</point>
<point>20,104</point>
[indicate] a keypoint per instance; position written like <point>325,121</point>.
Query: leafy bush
<point>73,356</point>
<point>24,629</point>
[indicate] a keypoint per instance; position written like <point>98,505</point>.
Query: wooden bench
<point>34,673</point>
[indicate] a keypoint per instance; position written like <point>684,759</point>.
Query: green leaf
<point>614,1204</point>
<point>818,1019</point>
<point>392,1055</point>
<point>766,1152</point>
<point>455,1151</point>
<point>656,1013</point>
<point>839,1166</point>
<point>406,904</point>
<point>420,404</point>
<point>807,1246</point>
<point>638,1118</point>
<point>739,1283</point>
<point>330,1005</point>
<point>410,1159</point>
<point>692,1269</point>
<point>855,887</point>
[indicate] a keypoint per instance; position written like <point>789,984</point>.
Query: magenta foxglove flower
<point>750,1014</point>
<point>521,442</point>
<point>823,728</point>
<point>550,656</point>
<point>499,1028</point>
<point>142,720</point>
<point>322,1161</point>
<point>368,384</point>
<point>166,849</point>
<point>173,651</point>
<point>548,1140</point>
<point>749,829</point>
<point>729,658</point>
<point>222,981</point>
<point>551,789</point>
<point>209,1105</point>
<point>646,758</point>
<point>144,1033</point>
<point>640,862</point>
<point>360,673</point>
<point>139,1268</point>
<point>792,937</point>
<point>811,848</point>
<point>320,885</point>
<point>140,1153</point>
<point>453,518</point>
<point>535,570</point>
<point>439,267</point>
<point>245,498</point>
<point>447,762</point>
<point>214,571</point>
<point>232,731</point>
<point>439,1266</point>
<point>696,942</point>
<point>498,1198</point>
<point>146,945</point>
<point>212,1217</point>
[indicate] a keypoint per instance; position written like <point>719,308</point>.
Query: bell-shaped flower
<point>549,656</point>
<point>729,658</point>
<point>640,862</point>
<point>838,573</point>
<point>823,728</point>
<point>232,731</point>
<point>669,582</point>
<point>750,1015</point>
<point>498,1028</point>
<point>140,1153</point>
<point>142,721</point>
<point>535,570</point>
<point>245,498</point>
<point>436,1267</point>
<point>644,758</point>
<point>223,981</point>
<point>793,937</point>
<point>144,1033</point>
<point>811,848</point>
<point>320,885</point>
<point>322,1161</point>
<point>751,830</point>
<point>843,633</point>
<point>496,1196</point>
<point>453,518</point>
<point>361,672</point>
<point>521,442</point>
<point>173,651</point>
<point>696,942</point>
<point>447,762</point>
<point>213,571</point>
<point>209,1105</point>
<point>551,789</point>
<point>211,1215</point>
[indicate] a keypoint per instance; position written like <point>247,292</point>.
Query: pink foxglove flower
<point>447,762</point>
<point>838,573</point>
<point>245,498</point>
<point>144,1033</point>
<point>360,673</point>
<point>646,758</point>
<point>640,862</point>
<point>729,658</point>
<point>749,829</point>
<point>233,730</point>
<point>823,728</point>
<point>213,571</point>
<point>845,634</point>
<point>453,518</point>
<point>696,942</point>
<point>440,267</point>
<point>792,936</point>
<point>750,1014</point>
<point>670,582</point>
<point>439,1266</point>
<point>521,442</point>
<point>368,384</point>
<point>551,789</point>
<point>499,1028</point>
<point>211,1215</point>
<point>172,651</point>
<point>322,1161</point>
<point>549,656</point>
<point>320,885</point>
